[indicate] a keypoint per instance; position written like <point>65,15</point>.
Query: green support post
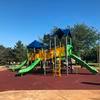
<point>55,54</point>
<point>66,55</point>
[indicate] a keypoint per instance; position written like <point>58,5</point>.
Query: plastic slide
<point>83,63</point>
<point>29,68</point>
<point>19,66</point>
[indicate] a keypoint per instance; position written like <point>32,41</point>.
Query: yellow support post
<point>58,70</point>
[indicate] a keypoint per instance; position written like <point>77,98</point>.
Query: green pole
<point>44,63</point>
<point>50,43</point>
<point>55,53</point>
<point>99,53</point>
<point>70,41</point>
<point>66,55</point>
<point>27,57</point>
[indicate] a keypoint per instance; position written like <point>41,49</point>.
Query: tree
<point>84,37</point>
<point>84,40</point>
<point>9,55</point>
<point>6,55</point>
<point>16,54</point>
<point>20,52</point>
<point>2,54</point>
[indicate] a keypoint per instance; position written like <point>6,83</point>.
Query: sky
<point>29,20</point>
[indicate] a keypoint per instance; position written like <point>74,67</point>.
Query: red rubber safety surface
<point>83,80</point>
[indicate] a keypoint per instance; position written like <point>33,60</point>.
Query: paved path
<point>51,95</point>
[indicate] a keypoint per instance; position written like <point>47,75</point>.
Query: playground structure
<point>57,57</point>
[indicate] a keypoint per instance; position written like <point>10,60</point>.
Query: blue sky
<point>27,20</point>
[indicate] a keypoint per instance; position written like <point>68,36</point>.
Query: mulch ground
<point>81,81</point>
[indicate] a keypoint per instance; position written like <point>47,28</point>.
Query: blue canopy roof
<point>35,44</point>
<point>66,32</point>
<point>62,32</point>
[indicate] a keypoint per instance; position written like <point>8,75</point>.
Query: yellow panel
<point>49,54</point>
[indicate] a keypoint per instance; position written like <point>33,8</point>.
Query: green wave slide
<point>14,68</point>
<point>83,63</point>
<point>29,68</point>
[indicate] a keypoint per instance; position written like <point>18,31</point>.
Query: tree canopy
<point>16,54</point>
<point>20,51</point>
<point>84,37</point>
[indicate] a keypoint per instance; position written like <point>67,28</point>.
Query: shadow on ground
<point>90,83</point>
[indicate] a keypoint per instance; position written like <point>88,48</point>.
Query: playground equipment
<point>38,52</point>
<point>14,68</point>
